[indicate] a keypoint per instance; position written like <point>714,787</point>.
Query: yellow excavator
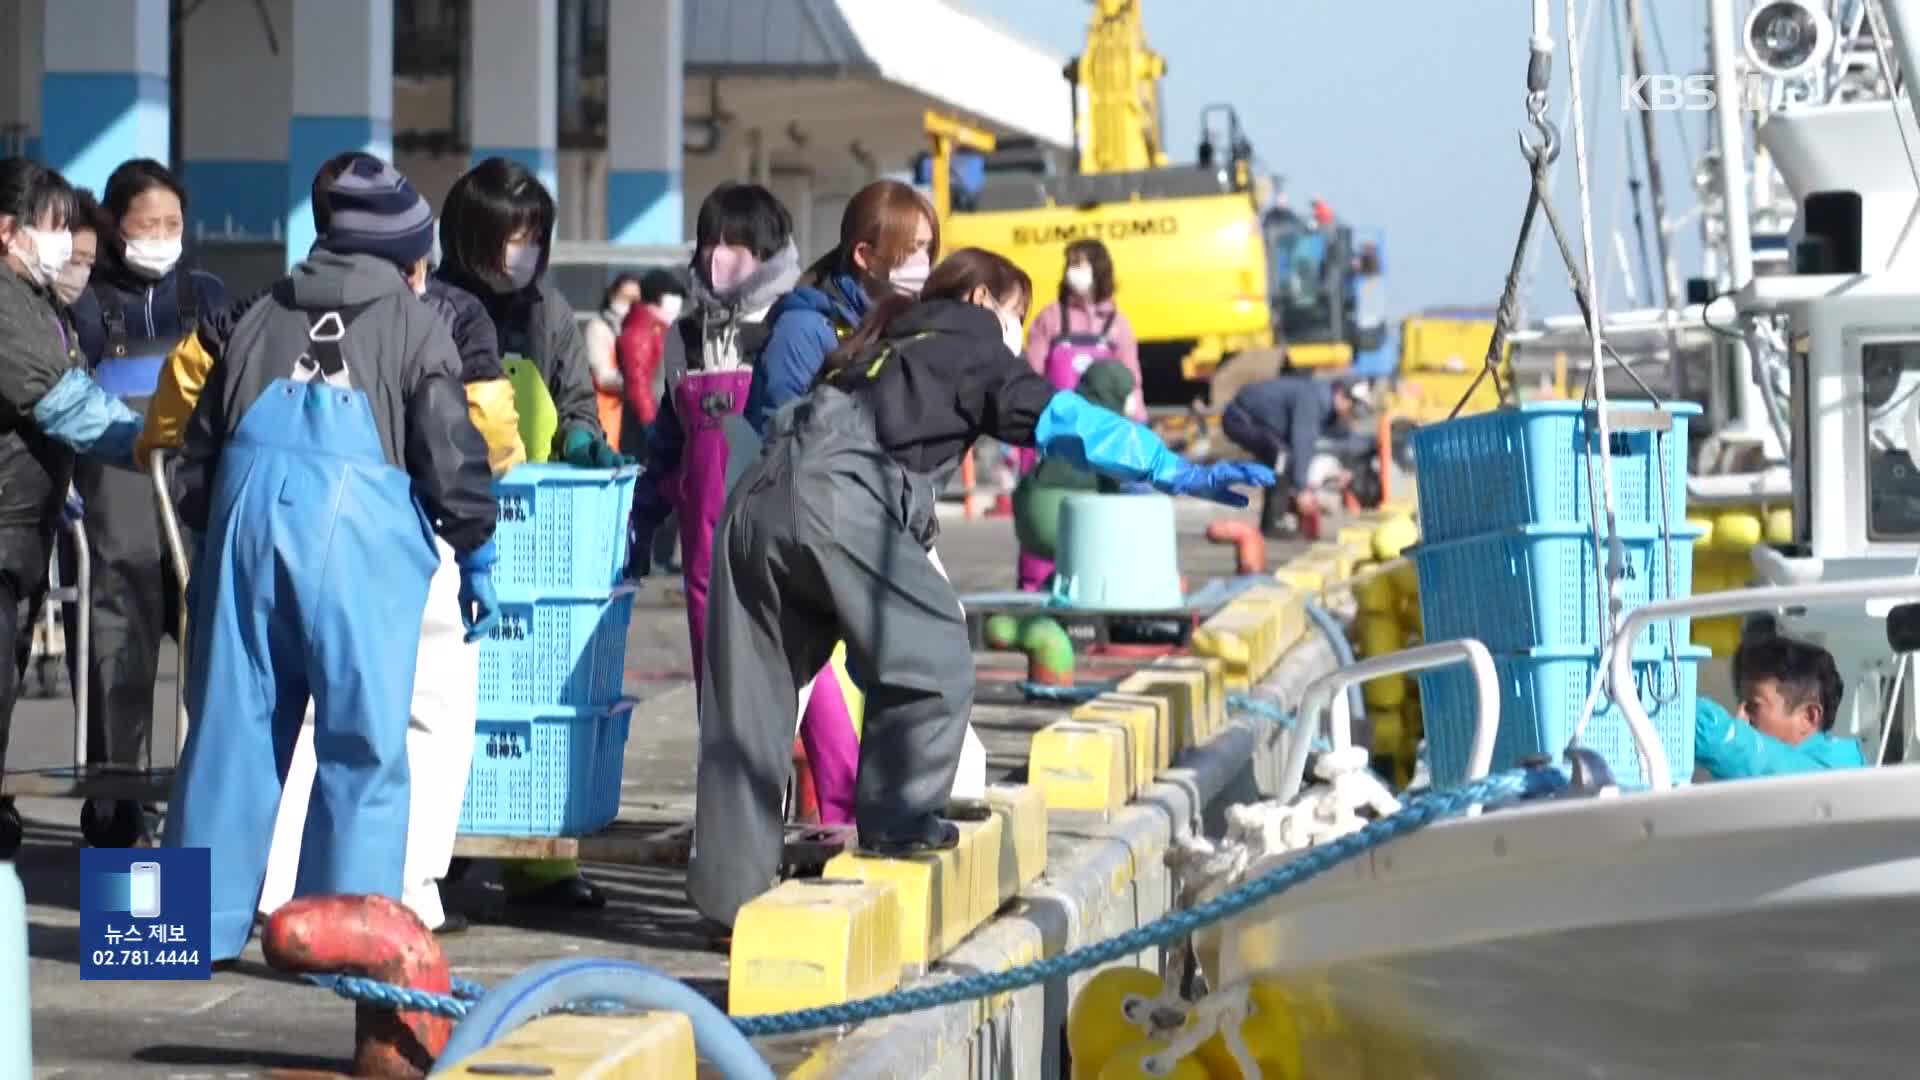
<point>1206,268</point>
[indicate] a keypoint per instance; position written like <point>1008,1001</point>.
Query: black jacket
<point>942,377</point>
<point>536,322</point>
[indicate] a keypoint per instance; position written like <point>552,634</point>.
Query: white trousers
<point>446,692</point>
<point>971,781</point>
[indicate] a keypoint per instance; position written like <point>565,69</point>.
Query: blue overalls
<point>312,581</point>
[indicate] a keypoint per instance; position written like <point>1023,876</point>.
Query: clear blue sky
<point>1402,114</point>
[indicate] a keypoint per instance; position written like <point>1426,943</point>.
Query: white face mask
<point>523,261</point>
<point>910,276</point>
<point>1010,333</point>
<point>669,307</point>
<point>44,253</point>
<point>618,309</point>
<point>1080,279</point>
<point>71,282</point>
<point>153,258</point>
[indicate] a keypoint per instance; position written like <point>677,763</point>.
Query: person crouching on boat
<point>1789,693</point>
<point>827,536</point>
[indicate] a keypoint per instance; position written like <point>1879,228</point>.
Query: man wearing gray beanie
<point>329,446</point>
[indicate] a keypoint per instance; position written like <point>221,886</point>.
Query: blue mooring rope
<point>1414,815</point>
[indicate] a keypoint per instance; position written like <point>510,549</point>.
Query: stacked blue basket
<point>549,748</point>
<point>1508,556</point>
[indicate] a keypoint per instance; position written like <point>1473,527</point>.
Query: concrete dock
<point>252,1022</point>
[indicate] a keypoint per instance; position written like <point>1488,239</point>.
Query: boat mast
<point>1750,416</point>
<point>1657,196</point>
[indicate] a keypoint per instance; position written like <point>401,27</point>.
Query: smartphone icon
<point>144,890</point>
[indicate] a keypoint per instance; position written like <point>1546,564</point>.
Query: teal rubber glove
<point>479,603</point>
<point>585,449</point>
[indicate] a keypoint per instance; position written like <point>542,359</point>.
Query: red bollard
<point>1250,548</point>
<point>380,939</point>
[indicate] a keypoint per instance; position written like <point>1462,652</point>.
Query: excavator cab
<point>1220,133</point>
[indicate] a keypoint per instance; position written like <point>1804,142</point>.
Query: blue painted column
<point>644,126</point>
<point>235,98</point>
<point>513,84</point>
<point>103,98</point>
<point>342,97</point>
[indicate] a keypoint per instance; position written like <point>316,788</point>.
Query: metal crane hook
<point>1544,149</point>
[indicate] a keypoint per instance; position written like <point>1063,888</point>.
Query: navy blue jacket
<point>1295,410</point>
<point>153,323</point>
<point>802,334</point>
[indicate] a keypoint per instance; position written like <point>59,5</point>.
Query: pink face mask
<point>728,266</point>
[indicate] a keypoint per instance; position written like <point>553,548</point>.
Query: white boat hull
<point>1761,928</point>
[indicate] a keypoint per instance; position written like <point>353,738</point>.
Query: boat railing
<point>1877,595</point>
<point>1328,695</point>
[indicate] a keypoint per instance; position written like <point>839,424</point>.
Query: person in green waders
<point>1036,501</point>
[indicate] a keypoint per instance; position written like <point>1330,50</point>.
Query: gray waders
<point>824,539</point>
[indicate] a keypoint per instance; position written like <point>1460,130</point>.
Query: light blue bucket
<point>1117,553</point>
<point>16,1014</point>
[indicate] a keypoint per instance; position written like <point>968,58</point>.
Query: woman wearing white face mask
<point>602,335</point>
<point>139,302</point>
<point>889,241</point>
<point>58,409</point>
<point>1084,325</point>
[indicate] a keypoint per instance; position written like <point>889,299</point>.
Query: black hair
<point>134,178</point>
<point>746,215</point>
<point>1094,253</point>
<point>484,209</point>
<point>620,281</point>
<point>1805,673</point>
<point>88,214</point>
<point>30,190</point>
<point>661,283</point>
<point>329,171</point>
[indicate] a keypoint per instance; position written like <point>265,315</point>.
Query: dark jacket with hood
<point>942,377</point>
<point>148,312</point>
<point>804,326</point>
<point>402,358</point>
<point>36,351</point>
<point>537,323</point>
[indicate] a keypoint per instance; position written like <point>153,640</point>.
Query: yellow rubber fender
<point>1735,532</point>
<point>1109,1015</point>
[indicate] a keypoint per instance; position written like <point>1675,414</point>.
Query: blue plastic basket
<point>545,771</point>
<point>1529,466</point>
<point>562,529</point>
<point>1546,584</point>
<point>1541,694</point>
<point>557,650</point>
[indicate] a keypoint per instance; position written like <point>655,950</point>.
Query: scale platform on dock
<point>1093,627</point>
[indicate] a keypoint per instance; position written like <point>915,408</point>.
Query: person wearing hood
<point>328,448</point>
<point>743,260</point>
<point>141,301</point>
<point>828,535</point>
<point>889,241</point>
<point>496,230</point>
<point>54,408</point>
<point>441,720</point>
<point>1037,499</point>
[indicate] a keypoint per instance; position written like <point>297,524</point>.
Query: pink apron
<point>703,401</point>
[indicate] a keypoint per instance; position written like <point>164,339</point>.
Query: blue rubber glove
<point>88,419</point>
<point>1107,443</point>
<point>1217,481</point>
<point>583,449</point>
<point>75,509</point>
<point>479,604</point>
